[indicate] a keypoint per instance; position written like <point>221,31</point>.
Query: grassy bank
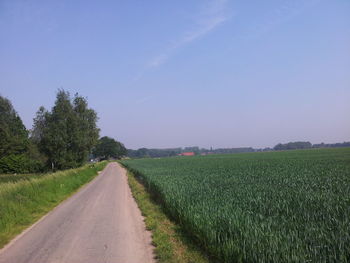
<point>172,245</point>
<point>26,198</point>
<point>7,178</point>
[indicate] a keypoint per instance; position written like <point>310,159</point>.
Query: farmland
<point>291,206</point>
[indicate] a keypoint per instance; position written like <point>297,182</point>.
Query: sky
<point>218,73</point>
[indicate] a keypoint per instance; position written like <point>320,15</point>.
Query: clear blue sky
<point>160,73</point>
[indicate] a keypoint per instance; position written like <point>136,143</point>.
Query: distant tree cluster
<point>308,145</point>
<point>233,150</point>
<point>331,145</point>
<point>108,148</point>
<point>61,138</point>
<point>155,153</point>
<point>293,146</point>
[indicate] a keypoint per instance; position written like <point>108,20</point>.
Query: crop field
<point>291,206</point>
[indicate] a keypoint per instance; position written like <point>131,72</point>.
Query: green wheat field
<point>291,206</point>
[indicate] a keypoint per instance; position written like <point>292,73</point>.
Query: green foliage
<point>109,148</point>
<point>258,207</point>
<point>25,199</point>
<point>19,163</point>
<point>13,134</point>
<point>144,152</point>
<point>14,143</point>
<point>67,134</point>
<point>168,152</point>
<point>293,146</point>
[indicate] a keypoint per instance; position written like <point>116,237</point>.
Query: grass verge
<point>172,245</point>
<point>23,202</point>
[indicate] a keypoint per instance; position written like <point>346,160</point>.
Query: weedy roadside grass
<point>7,178</point>
<point>26,198</point>
<point>172,245</point>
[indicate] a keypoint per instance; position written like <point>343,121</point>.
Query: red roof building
<point>187,154</point>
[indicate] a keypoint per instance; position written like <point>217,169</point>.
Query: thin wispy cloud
<point>211,14</point>
<point>209,17</point>
<point>282,13</point>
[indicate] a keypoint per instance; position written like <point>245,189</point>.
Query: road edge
<point>29,228</point>
<point>171,243</point>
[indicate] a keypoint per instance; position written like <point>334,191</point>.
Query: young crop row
<point>258,207</point>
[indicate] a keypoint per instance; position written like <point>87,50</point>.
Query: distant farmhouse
<point>187,154</point>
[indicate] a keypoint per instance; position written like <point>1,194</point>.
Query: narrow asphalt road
<point>101,223</point>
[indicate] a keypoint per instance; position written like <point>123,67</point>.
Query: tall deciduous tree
<point>67,134</point>
<point>86,133</point>
<point>13,134</point>
<point>16,150</point>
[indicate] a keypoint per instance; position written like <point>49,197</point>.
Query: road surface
<point>101,223</point>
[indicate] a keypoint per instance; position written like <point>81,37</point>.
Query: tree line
<point>308,145</point>
<point>168,152</point>
<point>64,137</point>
